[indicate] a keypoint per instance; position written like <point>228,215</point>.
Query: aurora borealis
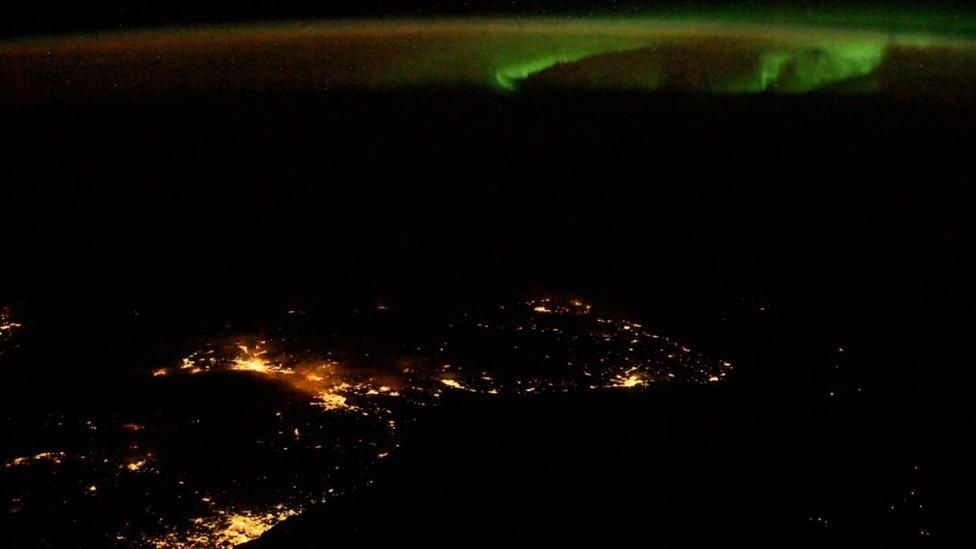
<point>729,54</point>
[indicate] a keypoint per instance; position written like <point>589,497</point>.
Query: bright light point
<point>331,401</point>
<point>251,365</point>
<point>629,381</point>
<point>452,383</point>
<point>244,528</point>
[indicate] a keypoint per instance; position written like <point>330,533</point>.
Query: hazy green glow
<point>893,19</point>
<point>773,68</point>
<point>802,71</point>
<point>513,57</point>
<point>508,76</point>
<point>715,53</point>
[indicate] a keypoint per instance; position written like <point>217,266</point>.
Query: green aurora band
<point>730,54</point>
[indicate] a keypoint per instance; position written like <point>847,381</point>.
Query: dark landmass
<point>820,244</point>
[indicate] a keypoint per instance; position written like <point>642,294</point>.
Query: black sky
<point>54,16</point>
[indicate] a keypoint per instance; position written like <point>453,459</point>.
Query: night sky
<point>52,16</point>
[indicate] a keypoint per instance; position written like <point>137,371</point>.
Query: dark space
<point>819,243</point>
<point>51,16</point>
